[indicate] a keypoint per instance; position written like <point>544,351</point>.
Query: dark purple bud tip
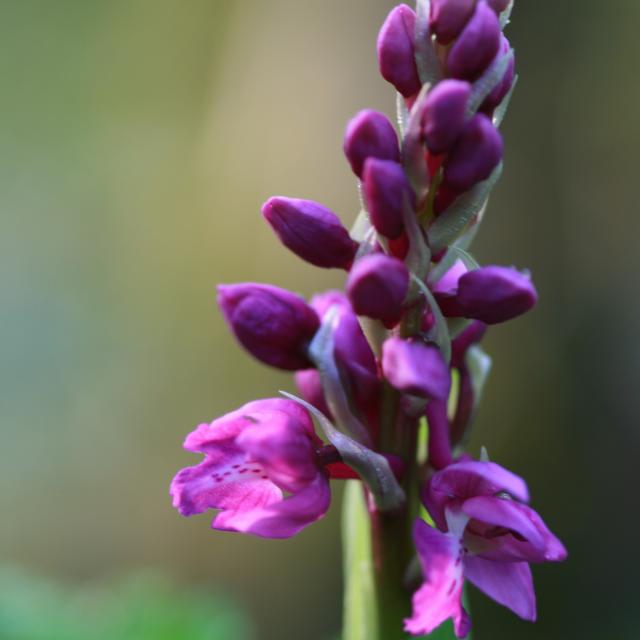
<point>415,368</point>
<point>444,114</point>
<point>495,294</point>
<point>272,324</point>
<point>386,192</point>
<point>448,18</point>
<point>311,231</point>
<point>498,5</point>
<point>477,45</point>
<point>504,86</point>
<point>377,286</point>
<point>475,155</point>
<point>370,135</point>
<point>396,51</point>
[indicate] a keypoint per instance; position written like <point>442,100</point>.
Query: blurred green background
<point>139,138</point>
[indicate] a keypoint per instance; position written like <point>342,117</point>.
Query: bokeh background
<point>138,140</point>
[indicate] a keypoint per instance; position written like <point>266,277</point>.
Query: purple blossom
<point>396,51</point>
<point>386,192</point>
<point>485,534</point>
<point>377,286</point>
<point>273,324</point>
<point>495,294</point>
<point>415,368</point>
<point>475,155</point>
<point>370,135</point>
<point>311,231</point>
<point>477,45</point>
<point>253,457</point>
<point>445,114</point>
<point>448,18</point>
<point>504,86</point>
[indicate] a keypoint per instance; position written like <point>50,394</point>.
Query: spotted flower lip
<point>253,457</point>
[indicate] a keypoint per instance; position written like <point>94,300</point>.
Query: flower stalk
<point>397,350</point>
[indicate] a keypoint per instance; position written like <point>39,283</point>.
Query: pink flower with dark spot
<point>261,470</point>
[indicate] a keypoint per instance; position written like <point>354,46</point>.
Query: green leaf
<point>402,114</point>
<point>487,82</point>
<point>479,363</point>
<point>321,354</point>
<point>373,468</point>
<point>441,330</point>
<point>360,614</point>
<point>449,224</point>
<point>501,109</point>
<point>426,57</point>
<point>505,16</point>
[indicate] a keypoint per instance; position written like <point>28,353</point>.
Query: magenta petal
<point>534,543</point>
<point>503,512</point>
<point>440,597</point>
<point>471,478</point>
<point>226,483</point>
<point>282,448</point>
<point>281,519</point>
<point>468,479</point>
<point>508,583</point>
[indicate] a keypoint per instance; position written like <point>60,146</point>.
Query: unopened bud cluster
<point>404,333</point>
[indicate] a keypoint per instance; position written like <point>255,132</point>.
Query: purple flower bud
<point>311,231</point>
<point>272,324</point>
<point>370,135</point>
<point>448,18</point>
<point>498,5</point>
<point>386,190</point>
<point>477,45</point>
<point>396,54</point>
<point>310,388</point>
<point>352,351</point>
<point>504,86</point>
<point>377,286</point>
<point>444,114</point>
<point>416,368</point>
<point>495,294</point>
<point>475,155</point>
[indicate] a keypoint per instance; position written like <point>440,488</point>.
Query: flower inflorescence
<point>398,350</point>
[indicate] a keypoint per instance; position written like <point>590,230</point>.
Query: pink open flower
<point>485,534</point>
<point>254,457</point>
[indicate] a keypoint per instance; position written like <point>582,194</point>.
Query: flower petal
<point>502,512</point>
<point>281,519</point>
<point>508,583</point>
<point>282,447</point>
<point>440,597</point>
<point>468,479</point>
<point>222,483</point>
<point>534,541</point>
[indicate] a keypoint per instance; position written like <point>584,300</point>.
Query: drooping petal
<point>440,597</point>
<point>501,512</point>
<point>468,479</point>
<point>281,519</point>
<point>508,583</point>
<point>528,539</point>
